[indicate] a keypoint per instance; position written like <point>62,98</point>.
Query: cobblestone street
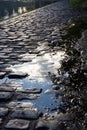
<point>23,38</point>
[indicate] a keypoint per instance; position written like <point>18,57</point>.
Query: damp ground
<point>40,56</point>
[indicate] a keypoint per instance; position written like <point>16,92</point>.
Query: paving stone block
<point>26,113</point>
<point>3,111</point>
<point>5,95</point>
<point>20,105</point>
<point>47,125</point>
<point>18,75</point>
<point>30,90</point>
<point>18,124</point>
<point>6,89</point>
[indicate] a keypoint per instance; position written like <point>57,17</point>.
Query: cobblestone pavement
<point>18,36</point>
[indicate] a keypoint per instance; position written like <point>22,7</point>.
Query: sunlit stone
<point>20,105</point>
<point>27,113</point>
<point>18,124</point>
<point>30,90</point>
<point>40,66</point>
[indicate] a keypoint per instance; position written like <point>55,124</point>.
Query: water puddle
<point>38,77</point>
<point>40,66</point>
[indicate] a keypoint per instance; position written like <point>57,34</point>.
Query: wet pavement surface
<point>29,52</point>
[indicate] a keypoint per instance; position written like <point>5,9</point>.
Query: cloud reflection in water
<point>40,66</point>
<point>38,70</point>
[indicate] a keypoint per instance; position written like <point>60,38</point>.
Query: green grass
<point>79,3</point>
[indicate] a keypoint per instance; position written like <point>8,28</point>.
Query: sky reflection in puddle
<point>40,66</point>
<point>38,70</point>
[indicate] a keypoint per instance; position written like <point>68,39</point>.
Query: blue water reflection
<point>38,70</point>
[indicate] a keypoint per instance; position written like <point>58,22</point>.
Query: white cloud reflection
<point>40,66</point>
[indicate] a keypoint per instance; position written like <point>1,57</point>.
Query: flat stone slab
<point>20,105</point>
<point>3,111</point>
<point>18,124</point>
<point>2,75</point>
<point>30,90</point>
<point>25,60</point>
<point>5,95</point>
<point>47,125</point>
<point>6,89</point>
<point>26,113</point>
<point>18,75</point>
<point>21,96</point>
<point>68,116</point>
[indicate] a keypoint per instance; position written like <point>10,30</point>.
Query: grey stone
<point>5,95</point>
<point>6,60</point>
<point>26,113</point>
<point>18,124</point>
<point>4,56</point>
<point>3,46</point>
<point>47,125</point>
<point>30,90</point>
<point>13,62</point>
<point>4,66</point>
<point>12,54</point>
<point>6,89</point>
<point>25,105</point>
<point>20,105</point>
<point>25,60</point>
<point>2,74</point>
<point>3,111</point>
<point>21,43</point>
<point>1,62</point>
<point>38,27</point>
<point>17,75</point>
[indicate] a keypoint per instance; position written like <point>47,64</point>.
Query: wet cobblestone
<point>18,36</point>
<point>3,111</point>
<point>5,95</point>
<point>18,124</point>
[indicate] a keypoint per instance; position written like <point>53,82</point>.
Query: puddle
<point>38,77</point>
<point>40,66</point>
